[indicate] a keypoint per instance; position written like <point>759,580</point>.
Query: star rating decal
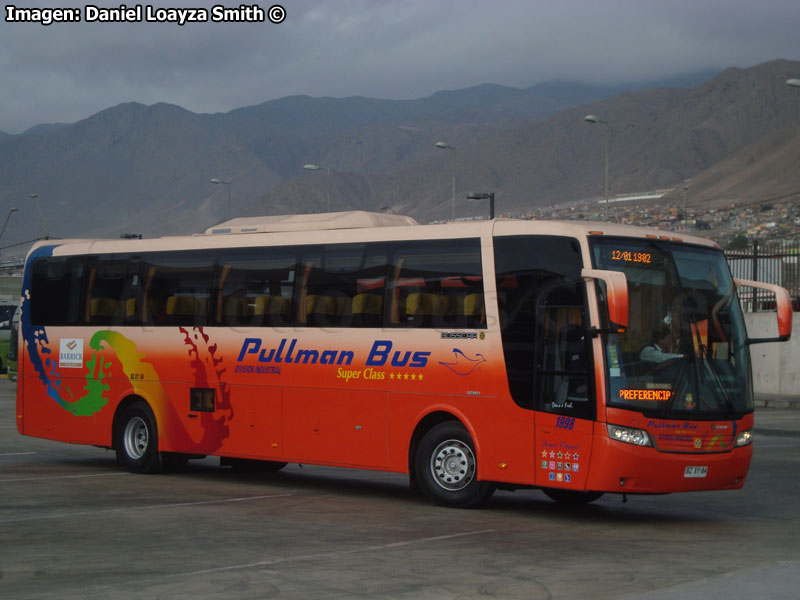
<point>399,376</point>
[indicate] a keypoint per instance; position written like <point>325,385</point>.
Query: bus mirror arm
<point>616,298</point>
<point>784,309</point>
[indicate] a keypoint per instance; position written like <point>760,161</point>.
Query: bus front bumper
<point>625,468</point>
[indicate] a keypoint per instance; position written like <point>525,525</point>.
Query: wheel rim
<point>136,438</point>
<point>453,465</point>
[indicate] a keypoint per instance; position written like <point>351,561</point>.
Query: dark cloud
<point>391,49</point>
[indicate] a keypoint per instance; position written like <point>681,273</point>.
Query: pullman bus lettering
<point>287,352</point>
<point>293,355</point>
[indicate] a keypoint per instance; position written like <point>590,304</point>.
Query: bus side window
<point>111,294</point>
<point>255,287</point>
<point>343,285</point>
<point>179,288</point>
<point>56,295</point>
<point>367,304</point>
<point>330,285</point>
<point>437,285</point>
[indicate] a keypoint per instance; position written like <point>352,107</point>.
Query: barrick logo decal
<point>70,355</point>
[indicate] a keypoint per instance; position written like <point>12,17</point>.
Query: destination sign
<point>657,395</point>
<point>630,256</point>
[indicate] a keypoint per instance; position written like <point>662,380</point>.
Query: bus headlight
<point>637,437</point>
<point>744,438</point>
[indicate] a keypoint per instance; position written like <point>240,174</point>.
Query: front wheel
<point>447,469</point>
<point>137,439</point>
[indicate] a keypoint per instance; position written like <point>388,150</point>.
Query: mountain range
<point>146,169</point>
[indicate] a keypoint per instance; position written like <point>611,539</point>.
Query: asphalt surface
<point>73,525</point>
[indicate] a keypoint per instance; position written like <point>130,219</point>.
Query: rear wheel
<point>446,467</point>
<point>137,439</point>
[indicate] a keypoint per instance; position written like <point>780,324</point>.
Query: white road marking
<point>84,513</point>
<point>298,558</point>
<point>62,477</point>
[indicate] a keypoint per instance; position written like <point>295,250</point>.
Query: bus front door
<point>563,388</point>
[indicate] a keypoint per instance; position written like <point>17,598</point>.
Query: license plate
<point>695,472</point>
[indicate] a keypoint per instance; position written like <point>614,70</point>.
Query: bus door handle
<point>193,415</point>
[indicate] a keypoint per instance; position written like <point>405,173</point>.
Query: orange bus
<point>576,358</point>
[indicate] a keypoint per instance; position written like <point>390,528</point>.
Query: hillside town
<point>733,226</point>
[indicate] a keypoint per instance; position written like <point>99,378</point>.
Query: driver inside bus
<point>658,351</point>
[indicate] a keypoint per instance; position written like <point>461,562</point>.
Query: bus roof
<point>355,226</point>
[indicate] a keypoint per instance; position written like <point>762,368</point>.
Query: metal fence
<point>775,262</point>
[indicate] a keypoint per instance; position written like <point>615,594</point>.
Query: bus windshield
<point>684,354</point>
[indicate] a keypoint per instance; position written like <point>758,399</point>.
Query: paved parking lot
<point>73,525</point>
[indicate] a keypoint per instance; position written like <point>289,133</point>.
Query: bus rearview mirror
<point>784,309</point>
<point>616,295</point>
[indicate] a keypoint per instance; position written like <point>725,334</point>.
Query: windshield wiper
<point>707,372</point>
<point>720,387</point>
<point>680,376</point>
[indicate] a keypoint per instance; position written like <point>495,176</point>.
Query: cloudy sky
<point>65,72</point>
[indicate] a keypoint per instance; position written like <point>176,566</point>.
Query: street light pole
<point>484,196</point>
<point>227,185</point>
<point>685,196</point>
<point>318,168</point>
<point>41,216</point>
<point>8,216</point>
<point>446,146</point>
<point>598,121</point>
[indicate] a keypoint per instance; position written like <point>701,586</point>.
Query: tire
<point>137,439</point>
<point>571,497</point>
<point>447,470</point>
